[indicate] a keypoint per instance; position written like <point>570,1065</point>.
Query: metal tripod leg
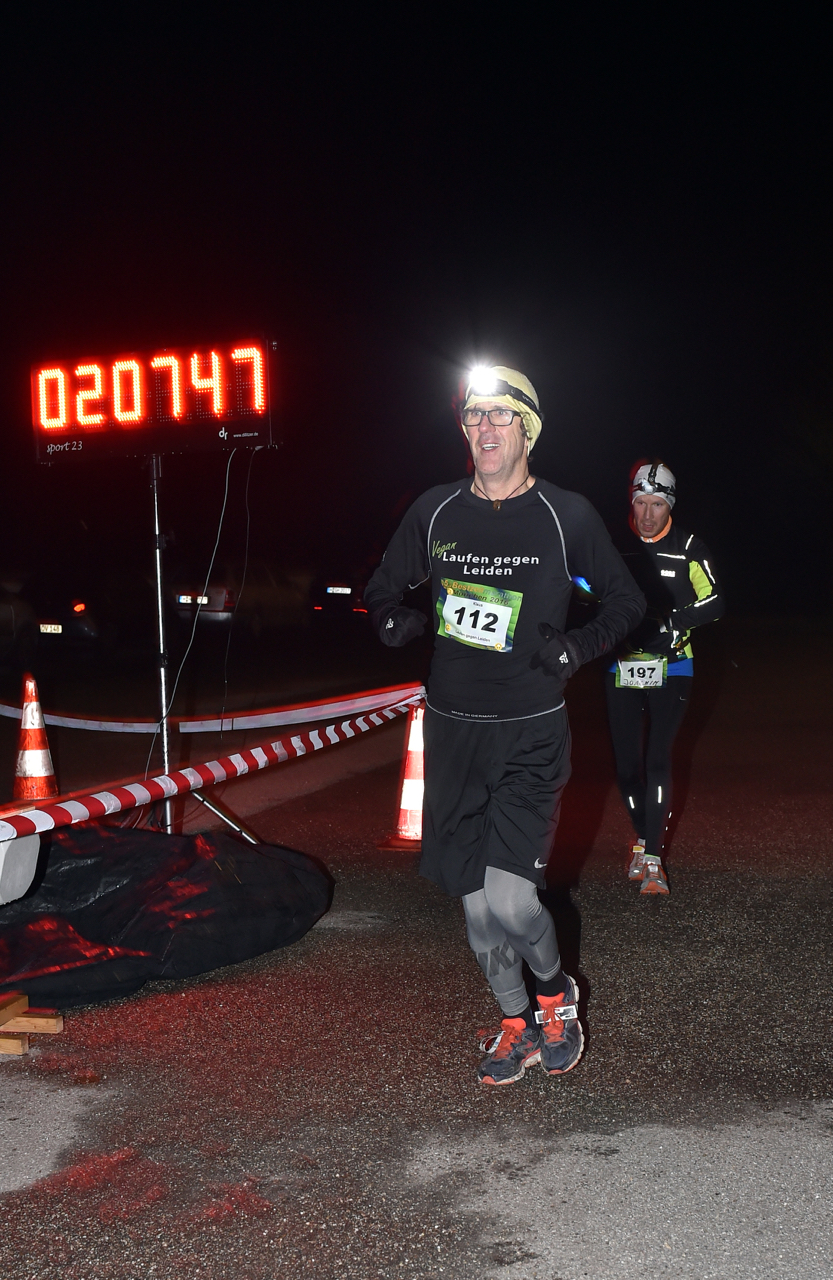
<point>235,826</point>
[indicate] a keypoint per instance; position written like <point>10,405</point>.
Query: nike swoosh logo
<point>540,865</point>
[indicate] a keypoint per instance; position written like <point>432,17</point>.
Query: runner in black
<point>651,675</point>
<point>501,551</point>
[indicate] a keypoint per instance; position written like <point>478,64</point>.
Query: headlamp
<point>483,382</point>
<point>649,484</point>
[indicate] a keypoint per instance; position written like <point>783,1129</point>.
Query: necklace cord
<point>497,501</point>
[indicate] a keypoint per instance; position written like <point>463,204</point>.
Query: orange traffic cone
<point>408,833</point>
<point>34,774</point>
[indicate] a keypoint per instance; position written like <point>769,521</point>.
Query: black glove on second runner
<point>656,634</point>
<point>397,626</point>
<point>561,656</point>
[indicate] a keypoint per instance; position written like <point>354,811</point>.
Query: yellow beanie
<point>497,382</point>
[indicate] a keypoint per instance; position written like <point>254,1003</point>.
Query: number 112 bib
<point>478,615</point>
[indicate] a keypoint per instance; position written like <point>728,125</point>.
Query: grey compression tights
<point>507,924</point>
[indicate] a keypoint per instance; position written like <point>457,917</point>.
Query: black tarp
<point>111,908</point>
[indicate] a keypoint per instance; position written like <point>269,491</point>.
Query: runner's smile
<point>498,452</point>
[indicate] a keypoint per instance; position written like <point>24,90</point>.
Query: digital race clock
<point>170,400</point>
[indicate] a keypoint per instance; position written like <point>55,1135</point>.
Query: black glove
<point>651,636</point>
<point>560,657</point>
<point>656,635</point>
<point>399,625</point>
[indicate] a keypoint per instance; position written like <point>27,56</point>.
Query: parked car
<point>66,616</point>
<point>337,598</point>
<point>266,598</point>
<point>68,622</point>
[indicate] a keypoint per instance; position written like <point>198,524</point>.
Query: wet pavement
<point>315,1112</point>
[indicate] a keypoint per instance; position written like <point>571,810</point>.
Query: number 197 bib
<point>644,672</point>
<point>478,615</point>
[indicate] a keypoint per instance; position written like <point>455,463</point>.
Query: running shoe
<point>653,877</point>
<point>516,1048</point>
<point>562,1039</point>
<point>637,860</point>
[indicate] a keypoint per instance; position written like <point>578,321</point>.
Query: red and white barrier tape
<point>74,722</point>
<point>65,813</point>
<point>373,700</point>
<point>271,718</point>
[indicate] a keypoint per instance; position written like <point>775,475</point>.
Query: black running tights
<point>643,760</point>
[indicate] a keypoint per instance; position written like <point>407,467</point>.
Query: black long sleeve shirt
<point>676,574</point>
<point>495,575</point>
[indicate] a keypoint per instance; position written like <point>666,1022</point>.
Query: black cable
<point>203,594</point>
<point>240,592</point>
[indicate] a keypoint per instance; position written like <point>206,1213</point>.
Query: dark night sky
<point>632,207</point>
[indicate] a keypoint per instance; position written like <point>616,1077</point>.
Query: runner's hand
<point>678,638</point>
<point>560,656</point>
<point>651,636</point>
<point>397,626</point>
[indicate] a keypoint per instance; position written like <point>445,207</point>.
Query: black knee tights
<point>643,761</point>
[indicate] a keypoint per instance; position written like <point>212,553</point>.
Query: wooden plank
<point>14,1044</point>
<point>45,1022</point>
<point>11,1005</point>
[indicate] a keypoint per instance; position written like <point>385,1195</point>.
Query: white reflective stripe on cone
<point>412,793</point>
<point>31,717</point>
<point>415,735</point>
<point>33,763</point>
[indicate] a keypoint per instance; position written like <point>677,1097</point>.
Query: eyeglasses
<point>497,417</point>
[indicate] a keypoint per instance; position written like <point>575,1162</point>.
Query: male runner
<point>501,550</point>
<point>653,669</point>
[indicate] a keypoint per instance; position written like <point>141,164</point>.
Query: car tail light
<point>78,606</point>
<point>230,600</point>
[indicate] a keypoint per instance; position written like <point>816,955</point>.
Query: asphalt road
<point>315,1112</point>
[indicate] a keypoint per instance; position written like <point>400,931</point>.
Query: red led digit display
<point>175,366</point>
<point>163,401</point>
<point>95,392</point>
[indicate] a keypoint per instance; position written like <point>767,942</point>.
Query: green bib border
<point>481,593</point>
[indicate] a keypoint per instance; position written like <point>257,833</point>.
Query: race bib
<point>643,672</point>
<point>478,615</point>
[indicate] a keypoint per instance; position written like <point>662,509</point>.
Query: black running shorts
<point>492,796</point>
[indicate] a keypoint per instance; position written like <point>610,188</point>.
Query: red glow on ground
<point>235,1202</point>
<point>96,1171</point>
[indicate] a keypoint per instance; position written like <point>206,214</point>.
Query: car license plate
<point>51,628</point>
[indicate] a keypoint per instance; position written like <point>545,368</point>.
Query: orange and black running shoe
<point>637,861</point>
<point>653,877</point>
<point>516,1048</point>
<point>562,1039</point>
